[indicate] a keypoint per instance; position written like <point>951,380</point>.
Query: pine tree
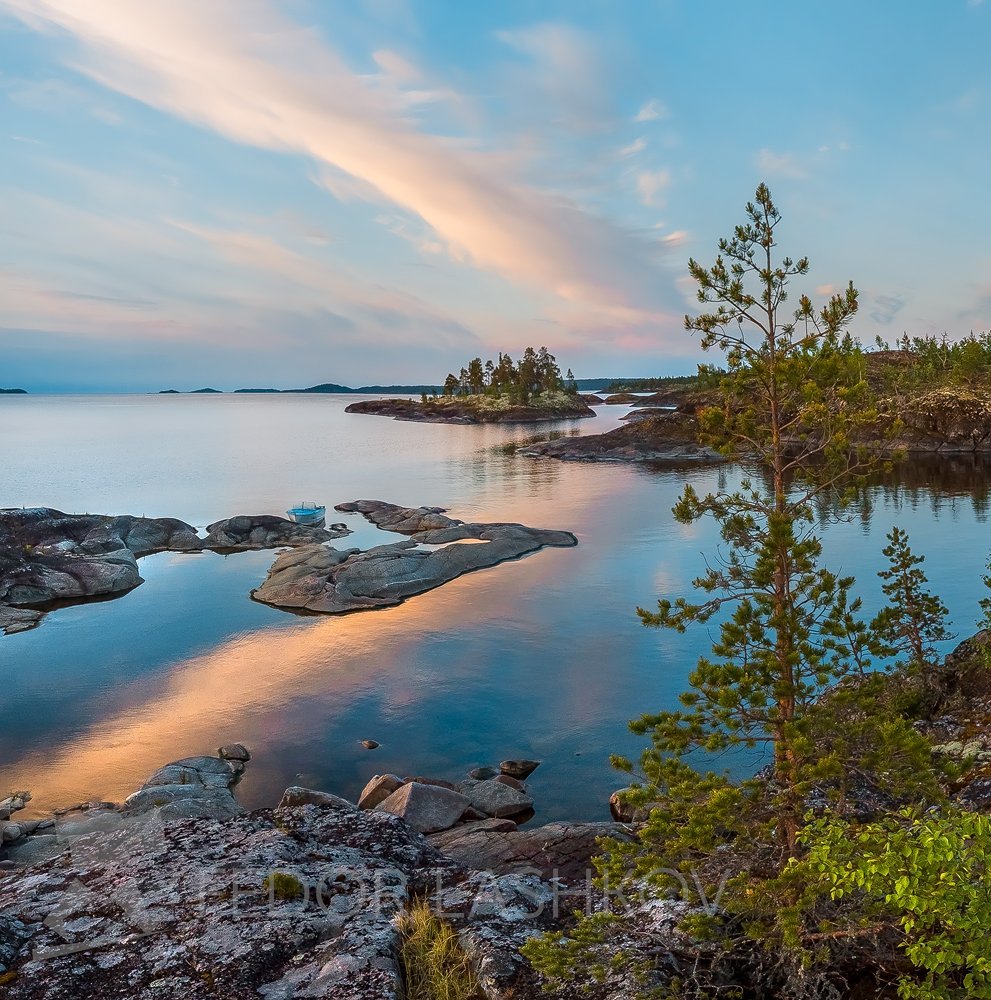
<point>791,400</point>
<point>914,620</point>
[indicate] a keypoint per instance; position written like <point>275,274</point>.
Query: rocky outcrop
<point>474,410</point>
<point>265,531</point>
<point>300,901</point>
<point>668,437</point>
<point>47,556</point>
<point>621,399</point>
<point>592,398</point>
<point>318,578</point>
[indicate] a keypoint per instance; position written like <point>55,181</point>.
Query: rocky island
<point>493,393</point>
<point>48,558</point>
<point>319,578</point>
<point>477,409</point>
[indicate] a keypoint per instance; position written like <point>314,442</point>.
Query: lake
<point>543,657</point>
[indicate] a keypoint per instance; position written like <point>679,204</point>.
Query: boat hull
<point>313,515</point>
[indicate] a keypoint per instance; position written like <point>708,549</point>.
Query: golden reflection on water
<point>244,688</point>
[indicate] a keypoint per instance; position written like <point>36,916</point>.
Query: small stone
<point>234,751</point>
<point>520,769</point>
<point>370,744</point>
<point>482,773</point>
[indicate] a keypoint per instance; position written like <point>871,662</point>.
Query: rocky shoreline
<point>662,437</point>
<point>48,558</point>
<point>178,892</point>
<point>470,410</point>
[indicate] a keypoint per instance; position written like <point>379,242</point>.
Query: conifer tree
<point>791,400</point>
<point>914,620</point>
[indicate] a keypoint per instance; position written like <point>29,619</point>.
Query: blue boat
<point>307,513</point>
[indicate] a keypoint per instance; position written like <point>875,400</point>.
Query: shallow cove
<point>539,658</point>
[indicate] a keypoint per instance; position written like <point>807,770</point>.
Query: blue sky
<point>239,192</point>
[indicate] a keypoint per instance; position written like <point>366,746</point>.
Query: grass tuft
<point>435,964</point>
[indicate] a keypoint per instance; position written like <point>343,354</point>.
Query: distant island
<point>492,393</point>
<point>13,392</point>
<point>582,384</point>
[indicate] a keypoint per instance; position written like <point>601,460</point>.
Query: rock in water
<point>322,579</point>
<point>235,752</point>
<point>426,808</point>
<point>370,744</point>
<point>519,769</point>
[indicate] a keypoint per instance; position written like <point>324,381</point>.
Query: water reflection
<point>543,657</point>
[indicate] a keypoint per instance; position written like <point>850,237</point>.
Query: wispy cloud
<point>886,308</point>
<point>651,110</point>
<point>637,146</point>
<point>246,72</point>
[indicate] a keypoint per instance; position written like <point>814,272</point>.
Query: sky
<point>283,192</point>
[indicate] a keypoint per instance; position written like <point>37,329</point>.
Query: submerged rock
<point>520,769</point>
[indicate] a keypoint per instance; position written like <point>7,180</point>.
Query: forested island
<point>502,391</point>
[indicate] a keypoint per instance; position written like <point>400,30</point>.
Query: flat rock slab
<point>318,578</point>
<point>183,913</point>
<point>562,850</point>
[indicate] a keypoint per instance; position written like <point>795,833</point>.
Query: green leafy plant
<point>924,876</point>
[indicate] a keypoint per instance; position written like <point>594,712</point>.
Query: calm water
<point>543,657</point>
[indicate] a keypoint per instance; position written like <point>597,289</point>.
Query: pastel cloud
<point>245,72</point>
<point>651,111</point>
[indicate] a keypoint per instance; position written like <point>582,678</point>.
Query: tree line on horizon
<point>536,373</point>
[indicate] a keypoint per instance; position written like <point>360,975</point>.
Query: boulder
<point>426,808</point>
<point>519,769</point>
<point>623,812</point>
<point>194,787</point>
<point>495,799</point>
<point>378,789</point>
